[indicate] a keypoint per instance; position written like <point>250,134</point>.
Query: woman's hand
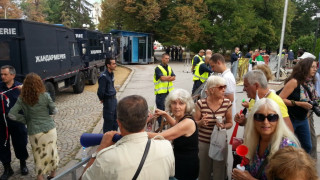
<point>203,121</point>
<point>159,112</point>
<point>240,118</point>
<point>304,105</point>
<point>241,175</point>
<point>245,104</point>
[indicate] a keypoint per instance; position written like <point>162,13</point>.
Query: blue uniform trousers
<point>18,133</point>
<point>110,115</point>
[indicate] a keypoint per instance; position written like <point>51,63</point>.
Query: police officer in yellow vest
<point>196,59</point>
<point>201,73</point>
<point>162,79</point>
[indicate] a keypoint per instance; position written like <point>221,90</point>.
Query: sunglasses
<point>261,117</point>
<point>221,87</point>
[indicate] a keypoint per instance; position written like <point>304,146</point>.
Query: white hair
<point>182,95</point>
<point>214,81</point>
<point>251,136</point>
<point>256,76</point>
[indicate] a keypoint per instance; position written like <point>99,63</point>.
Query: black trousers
<point>110,115</point>
<point>160,98</point>
<point>196,85</point>
<point>18,134</point>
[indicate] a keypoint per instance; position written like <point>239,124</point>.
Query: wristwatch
<point>94,155</point>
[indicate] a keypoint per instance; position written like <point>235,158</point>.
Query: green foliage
<point>216,24</point>
<point>317,48</point>
<point>304,42</point>
<point>34,10</point>
<point>71,13</point>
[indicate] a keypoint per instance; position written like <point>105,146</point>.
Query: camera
<point>315,107</point>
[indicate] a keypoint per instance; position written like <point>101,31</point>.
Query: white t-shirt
<point>230,82</point>
<point>231,88</point>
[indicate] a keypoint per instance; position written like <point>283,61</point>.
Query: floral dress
<point>257,161</point>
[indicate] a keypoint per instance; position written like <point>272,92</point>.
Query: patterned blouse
<point>205,132</point>
<point>256,162</point>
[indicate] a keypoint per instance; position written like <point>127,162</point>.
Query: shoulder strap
<point>142,160</point>
<point>308,91</point>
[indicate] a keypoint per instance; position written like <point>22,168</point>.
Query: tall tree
<point>9,9</point>
<point>135,15</point>
<point>82,14</point>
<point>34,10</point>
<point>71,13</point>
<point>171,21</point>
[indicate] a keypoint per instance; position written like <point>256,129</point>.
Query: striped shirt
<point>205,132</point>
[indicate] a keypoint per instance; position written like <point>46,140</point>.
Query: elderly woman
<point>184,133</point>
<point>265,133</point>
<point>207,111</point>
<point>298,91</point>
<point>37,107</point>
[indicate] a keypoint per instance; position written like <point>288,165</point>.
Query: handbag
<point>218,144</point>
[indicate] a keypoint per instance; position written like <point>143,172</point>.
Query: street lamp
<point>5,11</point>
<point>317,16</point>
<point>85,26</point>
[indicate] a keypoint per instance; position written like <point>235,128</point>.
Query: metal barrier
<point>72,170</point>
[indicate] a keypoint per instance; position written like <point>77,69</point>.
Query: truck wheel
<point>79,84</point>
<point>93,76</point>
<point>50,89</point>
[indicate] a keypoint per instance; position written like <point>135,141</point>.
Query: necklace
<point>266,94</point>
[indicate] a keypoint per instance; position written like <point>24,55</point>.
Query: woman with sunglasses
<point>298,91</point>
<point>207,111</point>
<point>183,133</point>
<point>265,133</point>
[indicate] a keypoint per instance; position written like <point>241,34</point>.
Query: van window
<point>4,51</point>
<point>75,49</point>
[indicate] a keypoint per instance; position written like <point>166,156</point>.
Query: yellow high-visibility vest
<point>196,76</point>
<point>199,58</point>
<point>161,87</point>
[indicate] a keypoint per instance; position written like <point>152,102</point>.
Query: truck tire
<point>78,87</point>
<point>93,76</point>
<point>51,90</point>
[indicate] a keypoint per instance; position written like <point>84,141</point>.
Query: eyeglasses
<point>221,87</point>
<point>261,117</point>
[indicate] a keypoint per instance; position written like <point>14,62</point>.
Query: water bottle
<point>83,154</point>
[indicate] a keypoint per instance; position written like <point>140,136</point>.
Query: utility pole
<point>282,36</point>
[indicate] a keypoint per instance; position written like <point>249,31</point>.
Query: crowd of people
<point>278,125</point>
<point>270,127</point>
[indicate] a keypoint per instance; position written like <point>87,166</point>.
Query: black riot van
<point>51,51</point>
<point>93,52</point>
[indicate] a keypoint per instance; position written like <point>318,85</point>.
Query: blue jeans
<point>302,131</point>
<point>234,69</point>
